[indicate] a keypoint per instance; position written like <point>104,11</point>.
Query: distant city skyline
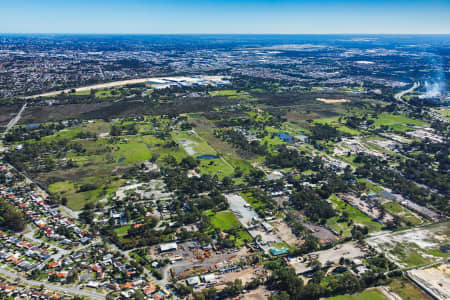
<point>226,16</point>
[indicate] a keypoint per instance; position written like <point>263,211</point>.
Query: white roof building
<point>267,226</point>
<point>193,281</point>
<point>168,247</point>
<point>210,278</point>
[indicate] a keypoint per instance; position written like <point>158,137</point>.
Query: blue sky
<point>224,16</point>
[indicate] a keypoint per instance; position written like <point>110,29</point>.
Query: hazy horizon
<point>225,17</point>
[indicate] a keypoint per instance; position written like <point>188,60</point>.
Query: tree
<point>285,279</point>
<point>182,290</point>
<point>11,217</point>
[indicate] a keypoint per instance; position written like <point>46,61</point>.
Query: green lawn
<point>272,141</point>
<point>281,245</point>
<point>365,295</point>
<point>62,186</point>
<point>224,220</point>
<point>243,235</point>
<point>121,231</point>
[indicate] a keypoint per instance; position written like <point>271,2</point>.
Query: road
<point>92,87</point>
<point>399,95</point>
<point>14,121</point>
<point>27,179</point>
<point>60,252</point>
<point>434,114</point>
<point>66,289</point>
<point>165,271</point>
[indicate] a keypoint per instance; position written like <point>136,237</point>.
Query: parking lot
<point>241,209</point>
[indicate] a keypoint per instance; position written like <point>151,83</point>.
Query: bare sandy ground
<point>93,87</point>
<point>123,82</point>
<point>437,280</point>
<point>286,234</point>
<point>332,100</point>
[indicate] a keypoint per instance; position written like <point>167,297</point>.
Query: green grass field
<point>403,213</point>
<point>82,93</point>
<point>365,295</point>
<point>242,236</point>
<point>121,231</point>
<point>232,94</point>
<point>76,200</point>
<point>102,160</point>
<point>197,146</point>
<point>408,291</point>
<point>224,220</point>
<point>109,93</point>
<point>334,122</point>
<point>445,112</point>
<point>396,122</point>
<point>65,134</point>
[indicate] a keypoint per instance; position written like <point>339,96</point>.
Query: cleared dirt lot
<point>261,293</point>
<point>434,280</point>
<point>348,250</point>
<point>332,100</point>
<point>246,275</point>
<point>286,234</point>
<point>321,233</point>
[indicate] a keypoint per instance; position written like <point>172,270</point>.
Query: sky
<point>225,16</point>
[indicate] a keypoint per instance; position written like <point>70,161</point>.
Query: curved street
<point>64,289</point>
